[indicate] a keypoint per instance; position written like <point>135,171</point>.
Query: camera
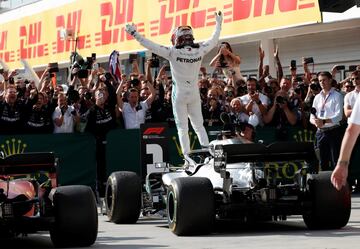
<point>341,67</point>
<point>314,86</point>
<point>88,95</point>
<point>203,91</point>
<point>268,90</point>
<point>292,64</point>
<point>108,76</point>
<point>53,67</point>
<point>154,61</point>
<point>280,100</point>
<point>134,82</point>
<point>308,60</point>
<point>132,57</point>
<point>352,68</point>
<point>223,63</point>
<point>93,56</point>
<point>297,90</point>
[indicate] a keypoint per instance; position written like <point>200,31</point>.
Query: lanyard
<point>323,105</point>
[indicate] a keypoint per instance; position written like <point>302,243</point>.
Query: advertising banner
<point>99,25</point>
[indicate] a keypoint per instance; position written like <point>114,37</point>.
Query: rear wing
<point>275,152</point>
<point>28,163</point>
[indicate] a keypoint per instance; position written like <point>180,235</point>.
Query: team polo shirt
<point>132,117</point>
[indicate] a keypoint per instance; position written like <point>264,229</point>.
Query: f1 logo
<point>154,130</point>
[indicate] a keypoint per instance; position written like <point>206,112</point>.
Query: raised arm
<point>279,70</point>
<point>211,43</point>
<point>152,46</point>
<point>261,61</point>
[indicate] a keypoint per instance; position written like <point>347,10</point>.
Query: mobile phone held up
<point>293,64</point>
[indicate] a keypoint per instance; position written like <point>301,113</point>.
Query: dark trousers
<point>328,143</point>
<point>101,176</point>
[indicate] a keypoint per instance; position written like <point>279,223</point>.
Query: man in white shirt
<point>185,59</point>
<point>254,101</point>
<point>327,112</point>
<point>339,175</point>
<point>134,111</point>
<point>351,97</point>
<point>64,116</point>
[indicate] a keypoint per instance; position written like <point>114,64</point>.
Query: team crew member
<point>351,97</point>
<point>339,175</point>
<point>185,59</point>
<point>329,112</point>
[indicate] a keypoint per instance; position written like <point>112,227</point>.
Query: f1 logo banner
<point>154,147</point>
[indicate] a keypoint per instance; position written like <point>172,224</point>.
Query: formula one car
<point>31,201</point>
<point>236,180</point>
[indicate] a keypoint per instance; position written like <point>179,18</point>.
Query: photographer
<point>211,109</point>
<point>228,62</point>
<point>282,113</point>
<point>11,112</point>
<point>64,116</point>
<point>38,114</point>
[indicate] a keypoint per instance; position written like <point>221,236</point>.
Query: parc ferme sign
<point>100,25</point>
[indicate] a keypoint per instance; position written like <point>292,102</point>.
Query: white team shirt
<point>245,99</point>
<point>68,123</point>
<point>328,107</point>
<point>350,98</point>
<point>132,117</point>
<point>355,114</point>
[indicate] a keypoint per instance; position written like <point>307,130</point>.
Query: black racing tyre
<point>123,197</point>
<point>330,208</point>
<point>76,217</point>
<point>190,206</point>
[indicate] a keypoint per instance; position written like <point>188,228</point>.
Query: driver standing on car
<point>185,59</point>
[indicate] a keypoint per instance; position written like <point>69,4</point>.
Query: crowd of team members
<point>99,102</point>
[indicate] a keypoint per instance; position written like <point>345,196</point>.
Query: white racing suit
<point>185,65</point>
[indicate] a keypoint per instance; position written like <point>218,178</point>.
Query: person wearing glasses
<point>185,59</point>
<point>351,96</point>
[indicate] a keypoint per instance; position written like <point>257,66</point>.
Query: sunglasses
<point>349,86</point>
<point>356,78</point>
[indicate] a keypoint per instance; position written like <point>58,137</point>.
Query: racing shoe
<point>189,163</point>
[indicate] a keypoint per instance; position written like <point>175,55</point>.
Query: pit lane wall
<point>76,152</point>
<point>35,32</point>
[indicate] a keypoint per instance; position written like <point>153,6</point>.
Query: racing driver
<point>185,59</point>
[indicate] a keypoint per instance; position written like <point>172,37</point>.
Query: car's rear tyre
<point>190,206</point>
<point>76,218</point>
<point>330,208</point>
<point>123,197</point>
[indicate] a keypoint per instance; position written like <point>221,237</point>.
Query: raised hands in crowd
<point>275,100</point>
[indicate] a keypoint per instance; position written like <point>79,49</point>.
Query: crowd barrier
<point>76,152</point>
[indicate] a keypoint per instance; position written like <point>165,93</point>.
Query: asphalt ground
<point>151,233</point>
